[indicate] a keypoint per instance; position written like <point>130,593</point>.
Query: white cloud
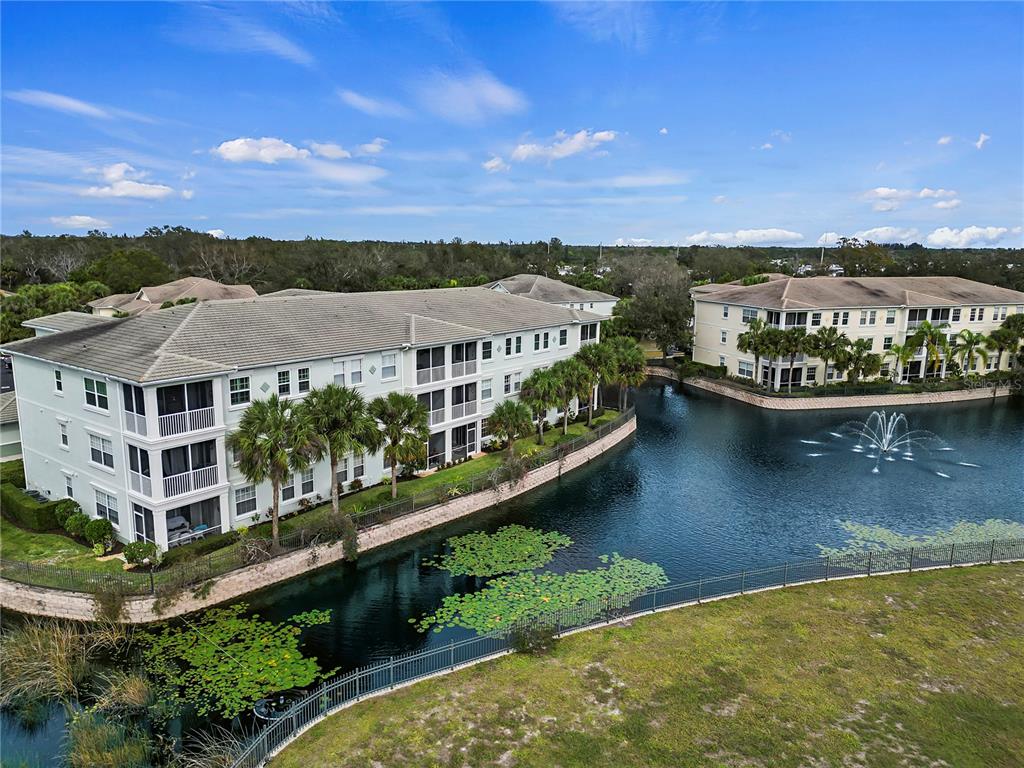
<point>982,140</point>
<point>888,193</point>
<point>329,150</point>
<point>124,181</point>
<point>188,194</point>
<point>663,131</point>
<point>937,193</point>
<point>889,198</point>
<point>828,239</point>
<point>944,237</point>
<point>745,237</point>
<point>885,205</point>
<point>944,140</point>
<point>469,98</point>
<point>79,222</point>
<point>495,165</point>
<point>344,173</point>
<point>372,106</point>
<point>219,29</point>
<point>375,147</point>
<point>218,233</point>
<point>767,145</point>
<point>946,205</point>
<point>59,103</point>
<point>266,150</point>
<point>626,23</point>
<point>719,199</point>
<point>887,234</point>
<point>656,178</point>
<point>634,241</point>
<point>782,135</point>
<point>563,145</point>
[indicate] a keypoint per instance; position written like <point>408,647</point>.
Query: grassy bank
<point>49,549</point>
<point>904,670</point>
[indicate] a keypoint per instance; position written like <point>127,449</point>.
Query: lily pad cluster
<point>878,538</point>
<point>510,549</point>
<point>531,596</point>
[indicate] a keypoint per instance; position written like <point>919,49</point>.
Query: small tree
<point>858,360</point>
<point>968,346</point>
<point>826,344</point>
<point>753,342</point>
<point>509,421</point>
<point>629,365</point>
<point>597,359</point>
<point>792,344</point>
<point>404,429</point>
<point>933,339</point>
<point>573,383</point>
<point>540,392</point>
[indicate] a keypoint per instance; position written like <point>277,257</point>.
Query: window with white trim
<point>245,500</point>
<point>69,488</point>
<point>342,475</point>
<point>725,310</point>
<point>812,373</point>
<point>288,491</point>
<point>513,382</point>
<point>890,316</point>
<point>749,313</point>
<point>388,365</point>
<point>815,319</point>
<point>284,383</point>
<point>96,394</point>
<point>547,339</point>
<point>239,389</point>
<point>485,389</point>
<point>745,368</point>
<point>106,506</point>
<point>724,337</point>
<point>563,337</point>
<point>62,429</point>
<point>58,382</point>
<point>358,465</point>
<point>355,372</point>
<point>303,379</point>
<point>887,343</point>
<point>536,342</point>
<point>339,373</point>
<point>307,481</point>
<point>101,451</point>
<point>721,361</point>
<point>486,350</point>
<point>956,314</point>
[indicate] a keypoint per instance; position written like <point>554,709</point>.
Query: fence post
<point>869,562</point>
<point>700,584</point>
<point>910,569</point>
<point>743,581</point>
<point>785,575</point>
<point>992,552</point>
<point>391,673</point>
<point>451,654</point>
<point>828,561</point>
<point>952,548</point>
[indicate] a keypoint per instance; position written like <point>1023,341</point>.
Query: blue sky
<point>768,123</point>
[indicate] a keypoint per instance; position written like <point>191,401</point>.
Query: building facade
<point>886,311</point>
<point>130,417</point>
<point>550,291</point>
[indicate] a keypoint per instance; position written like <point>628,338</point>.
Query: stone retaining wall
<point>76,605</point>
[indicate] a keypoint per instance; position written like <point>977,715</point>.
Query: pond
<point>708,486</point>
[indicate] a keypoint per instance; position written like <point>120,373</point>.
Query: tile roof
<point>546,289</point>
<point>839,292</point>
<point>8,407</point>
<point>217,336</point>
<point>149,298</point>
<point>65,321</point>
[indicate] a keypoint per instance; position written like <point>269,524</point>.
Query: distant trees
<point>127,271</point>
<point>44,299</point>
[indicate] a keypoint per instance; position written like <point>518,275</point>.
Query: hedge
<point>13,472</point>
<point>26,511</point>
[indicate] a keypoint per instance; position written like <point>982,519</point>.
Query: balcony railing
<point>140,483</point>
<point>436,417</point>
<point>135,422</point>
<point>467,368</point>
<point>584,342</point>
<point>464,409</point>
<point>193,480</point>
<point>186,421</point>
<point>427,375</point>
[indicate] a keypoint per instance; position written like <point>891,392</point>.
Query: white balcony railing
<point>584,342</point>
<point>135,422</point>
<point>466,368</point>
<point>436,417</point>
<point>464,409</point>
<point>427,375</point>
<point>140,483</point>
<point>193,480</point>
<point>186,421</point>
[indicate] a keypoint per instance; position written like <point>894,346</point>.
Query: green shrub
<point>13,472</point>
<point>26,511</point>
<point>75,525</point>
<point>64,509</point>
<point>356,485</point>
<point>203,546</point>
<point>99,531</point>
<point>136,552</point>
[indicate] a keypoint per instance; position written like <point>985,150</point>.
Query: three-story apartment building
<point>885,310</point>
<point>129,417</point>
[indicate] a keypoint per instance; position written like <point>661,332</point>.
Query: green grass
<point>49,549</point>
<point>904,670</point>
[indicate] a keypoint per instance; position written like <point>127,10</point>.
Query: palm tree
<point>933,339</point>
<point>969,345</point>
<point>826,344</point>
<point>339,417</point>
<point>629,365</point>
<point>274,439</point>
<point>900,354</point>
<point>792,344</point>
<point>597,359</point>
<point>509,421</point>
<point>773,348</point>
<point>1001,339</point>
<point>573,381</point>
<point>540,393</point>
<point>859,360</point>
<point>404,431</point>
<point>753,341</point>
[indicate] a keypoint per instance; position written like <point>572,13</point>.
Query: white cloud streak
<point>266,150</point>
<point>944,141</point>
<point>79,222</point>
<point>495,165</point>
<point>771,235</point>
<point>563,145</point>
<point>329,150</point>
<point>371,106</point>
<point>982,140</point>
<point>946,237</point>
<point>124,181</point>
<point>471,98</point>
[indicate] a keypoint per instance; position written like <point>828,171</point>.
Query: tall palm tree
<point>753,342</point>
<point>404,431</point>
<point>968,346</point>
<point>858,360</point>
<point>1001,339</point>
<point>773,349</point>
<point>629,365</point>
<point>573,381</point>
<point>274,439</point>
<point>933,339</point>
<point>826,344</point>
<point>509,421</point>
<point>900,355</point>
<point>342,422</point>
<point>792,344</point>
<point>597,359</point>
<point>540,393</point>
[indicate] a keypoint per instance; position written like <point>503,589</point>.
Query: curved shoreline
<point>80,606</point>
<point>828,402</point>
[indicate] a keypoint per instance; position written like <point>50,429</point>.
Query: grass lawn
<point>907,670</point>
<point>50,549</point>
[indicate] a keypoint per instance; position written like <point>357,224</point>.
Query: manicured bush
<point>356,485</point>
<point>64,509</point>
<point>136,552</point>
<point>99,531</point>
<point>26,511</point>
<point>13,472</point>
<point>75,525</point>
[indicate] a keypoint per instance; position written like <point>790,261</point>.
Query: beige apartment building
<point>886,310</point>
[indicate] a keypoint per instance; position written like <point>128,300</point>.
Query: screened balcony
<point>193,521</point>
<point>189,468</point>
<point>185,407</point>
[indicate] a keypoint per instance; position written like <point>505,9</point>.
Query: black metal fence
<point>410,667</point>
<point>310,533</point>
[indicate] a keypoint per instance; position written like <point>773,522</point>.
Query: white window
<point>63,429</point>
<point>721,361</point>
<point>303,378</point>
<point>239,388</point>
<point>563,337</point>
<point>486,350</point>
<point>725,310</point>
<point>388,366</point>
<point>343,471</point>
<point>358,465</point>
<point>101,450</point>
<point>58,383</point>
<point>96,394</point>
<point>513,345</point>
<point>890,316</point>
<point>288,491</point>
<point>106,506</point>
<point>547,339</point>
<point>749,314</point>
<point>835,318</point>
<point>887,343</point>
<point>307,481</point>
<point>339,374</point>
<point>815,319</point>
<point>745,368</point>
<point>355,372</point>
<point>725,337</point>
<point>812,373</point>
<point>245,500</point>
<point>284,382</point>
<point>867,317</point>
<point>981,314</point>
<point>846,318</point>
<point>513,382</point>
<point>69,488</point>
<point>485,389</point>
<point>1002,313</point>
<point>956,315</point>
<point>536,342</point>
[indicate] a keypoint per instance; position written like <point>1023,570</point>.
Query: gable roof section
<point>65,321</point>
<point>149,298</point>
<point>217,336</point>
<point>547,289</point>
